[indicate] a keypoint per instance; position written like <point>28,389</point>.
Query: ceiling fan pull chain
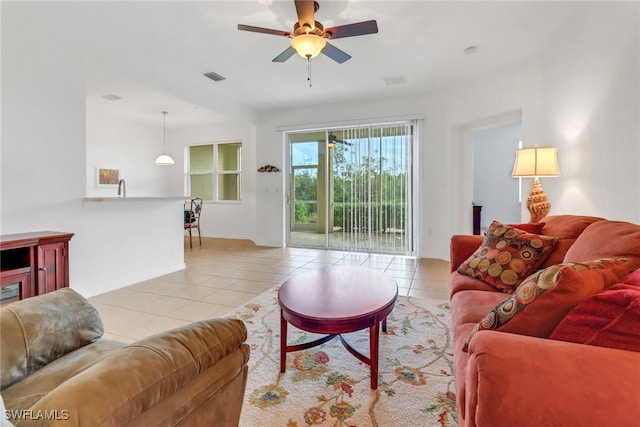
<point>309,70</point>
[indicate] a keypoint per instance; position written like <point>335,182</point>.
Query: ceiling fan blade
<point>336,54</point>
<point>288,53</point>
<point>263,30</point>
<point>350,30</point>
<point>306,10</point>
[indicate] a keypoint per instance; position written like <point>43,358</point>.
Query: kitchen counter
<point>136,199</point>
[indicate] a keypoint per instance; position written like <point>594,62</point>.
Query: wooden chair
<point>192,210</point>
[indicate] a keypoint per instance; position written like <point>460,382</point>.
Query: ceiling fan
<point>333,140</point>
<point>309,37</point>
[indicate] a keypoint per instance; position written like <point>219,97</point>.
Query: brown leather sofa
<point>57,370</point>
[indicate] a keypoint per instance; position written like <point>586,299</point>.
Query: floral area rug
<point>327,386</point>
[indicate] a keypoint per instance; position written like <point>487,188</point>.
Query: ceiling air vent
<point>111,97</point>
<point>214,76</point>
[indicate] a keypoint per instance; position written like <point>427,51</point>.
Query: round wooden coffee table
<point>335,301</point>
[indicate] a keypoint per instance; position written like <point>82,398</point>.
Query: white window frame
<point>214,172</point>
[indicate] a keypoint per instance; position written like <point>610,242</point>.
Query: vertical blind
<point>373,187</point>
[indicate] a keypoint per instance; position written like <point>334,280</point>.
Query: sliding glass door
<point>351,188</point>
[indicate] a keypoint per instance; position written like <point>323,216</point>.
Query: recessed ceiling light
<point>471,50</point>
<point>111,97</point>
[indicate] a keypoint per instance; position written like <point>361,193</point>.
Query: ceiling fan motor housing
<point>299,30</point>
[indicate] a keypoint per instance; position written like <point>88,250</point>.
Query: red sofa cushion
<point>515,380</point>
<point>610,318</point>
<point>461,282</point>
<point>611,239</point>
<point>632,278</point>
<point>529,227</point>
<point>566,228</point>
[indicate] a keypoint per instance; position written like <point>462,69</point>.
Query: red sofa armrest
<point>525,381</point>
<point>462,246</point>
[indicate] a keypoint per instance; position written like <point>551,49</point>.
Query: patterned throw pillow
<point>507,256</point>
<point>543,299</point>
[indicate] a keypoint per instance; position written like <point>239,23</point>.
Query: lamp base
<point>538,203</point>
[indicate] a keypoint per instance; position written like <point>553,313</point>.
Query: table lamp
<point>534,163</point>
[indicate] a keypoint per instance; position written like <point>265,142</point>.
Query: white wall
<point>233,220</point>
<point>131,147</point>
<point>592,94</point>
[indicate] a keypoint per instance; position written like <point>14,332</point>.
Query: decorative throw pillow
<point>507,256</point>
<point>544,299</point>
<point>610,318</point>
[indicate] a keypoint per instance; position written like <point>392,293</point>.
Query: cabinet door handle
<point>43,269</point>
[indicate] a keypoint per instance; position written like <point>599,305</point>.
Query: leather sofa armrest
<point>525,381</point>
<point>36,331</point>
<point>138,376</point>
<point>462,246</point>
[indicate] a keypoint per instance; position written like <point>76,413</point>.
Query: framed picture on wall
<point>106,177</point>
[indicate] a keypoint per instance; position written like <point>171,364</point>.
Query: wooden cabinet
<point>33,264</point>
<point>53,269</point>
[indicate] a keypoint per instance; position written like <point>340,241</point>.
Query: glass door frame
<point>412,192</point>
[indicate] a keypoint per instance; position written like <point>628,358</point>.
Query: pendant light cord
<point>164,132</point>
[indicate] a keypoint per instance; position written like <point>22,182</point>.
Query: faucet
<point>122,188</point>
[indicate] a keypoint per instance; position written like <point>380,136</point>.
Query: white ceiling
<point>153,53</point>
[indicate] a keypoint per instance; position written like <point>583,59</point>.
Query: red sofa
<point>508,379</point>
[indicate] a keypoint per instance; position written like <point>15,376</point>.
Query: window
<point>214,171</point>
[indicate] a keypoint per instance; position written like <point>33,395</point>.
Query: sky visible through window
<point>394,153</point>
<point>304,153</point>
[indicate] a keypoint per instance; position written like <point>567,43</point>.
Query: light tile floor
<point>223,274</point>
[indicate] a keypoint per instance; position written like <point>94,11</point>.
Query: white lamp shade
<point>308,45</point>
<point>164,160</point>
<point>538,161</point>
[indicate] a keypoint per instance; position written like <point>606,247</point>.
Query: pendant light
<point>164,159</point>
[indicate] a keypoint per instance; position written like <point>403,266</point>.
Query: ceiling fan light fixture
<point>308,45</point>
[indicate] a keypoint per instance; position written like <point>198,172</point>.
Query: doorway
<point>494,189</point>
<point>351,188</point>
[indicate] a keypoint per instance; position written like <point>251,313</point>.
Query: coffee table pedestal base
<point>371,361</point>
